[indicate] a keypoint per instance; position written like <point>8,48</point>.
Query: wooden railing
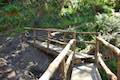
<point>115,50</point>
<point>64,64</point>
<point>56,63</point>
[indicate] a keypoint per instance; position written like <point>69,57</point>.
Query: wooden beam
<point>111,75</point>
<point>56,41</point>
<point>55,64</point>
<point>62,70</point>
<point>68,65</point>
<point>97,51</point>
<point>110,46</point>
<point>34,36</point>
<point>43,48</point>
<point>48,40</point>
<point>58,30</point>
<point>86,42</point>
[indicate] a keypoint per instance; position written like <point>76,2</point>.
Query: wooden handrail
<point>110,46</point>
<point>111,75</point>
<point>59,59</point>
<point>68,62</point>
<point>56,41</point>
<point>86,42</point>
<point>58,30</point>
<point>55,64</point>
<point>116,52</point>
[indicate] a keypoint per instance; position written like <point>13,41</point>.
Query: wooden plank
<point>85,72</point>
<point>55,64</point>
<point>111,75</point>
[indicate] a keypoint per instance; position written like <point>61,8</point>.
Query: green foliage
<point>58,14</point>
<point>107,23</point>
<point>112,64</point>
<point>10,8</point>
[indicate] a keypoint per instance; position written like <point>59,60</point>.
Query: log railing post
<point>48,39</point>
<point>64,38</point>
<point>34,36</point>
<point>118,68</point>
<point>62,70</point>
<point>70,60</point>
<point>21,41</point>
<point>97,51</point>
<point>56,62</point>
<point>74,45</point>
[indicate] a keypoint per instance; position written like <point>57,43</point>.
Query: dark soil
<point>29,63</point>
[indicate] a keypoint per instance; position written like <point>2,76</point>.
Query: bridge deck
<point>79,72</point>
<point>56,49</point>
<point>85,72</point>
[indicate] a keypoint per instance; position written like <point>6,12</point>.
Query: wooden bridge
<point>68,60</point>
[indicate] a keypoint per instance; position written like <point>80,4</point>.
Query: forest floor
<point>28,63</point>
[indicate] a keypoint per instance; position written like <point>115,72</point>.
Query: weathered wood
<point>64,38</point>
<point>55,64</point>
<point>56,41</point>
<point>118,68</point>
<point>48,40</point>
<point>111,75</point>
<point>62,69</point>
<point>43,47</point>
<point>116,51</point>
<point>74,46</point>
<point>86,42</point>
<point>110,46</point>
<point>97,51</point>
<point>58,30</point>
<point>34,35</point>
<point>55,33</point>
<point>77,41</point>
<point>68,62</point>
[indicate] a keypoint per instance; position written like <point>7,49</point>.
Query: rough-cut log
<point>58,30</point>
<point>62,70</point>
<point>68,62</point>
<point>97,51</point>
<point>55,64</point>
<point>110,46</point>
<point>56,41</point>
<point>86,42</point>
<point>43,47</point>
<point>111,75</point>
